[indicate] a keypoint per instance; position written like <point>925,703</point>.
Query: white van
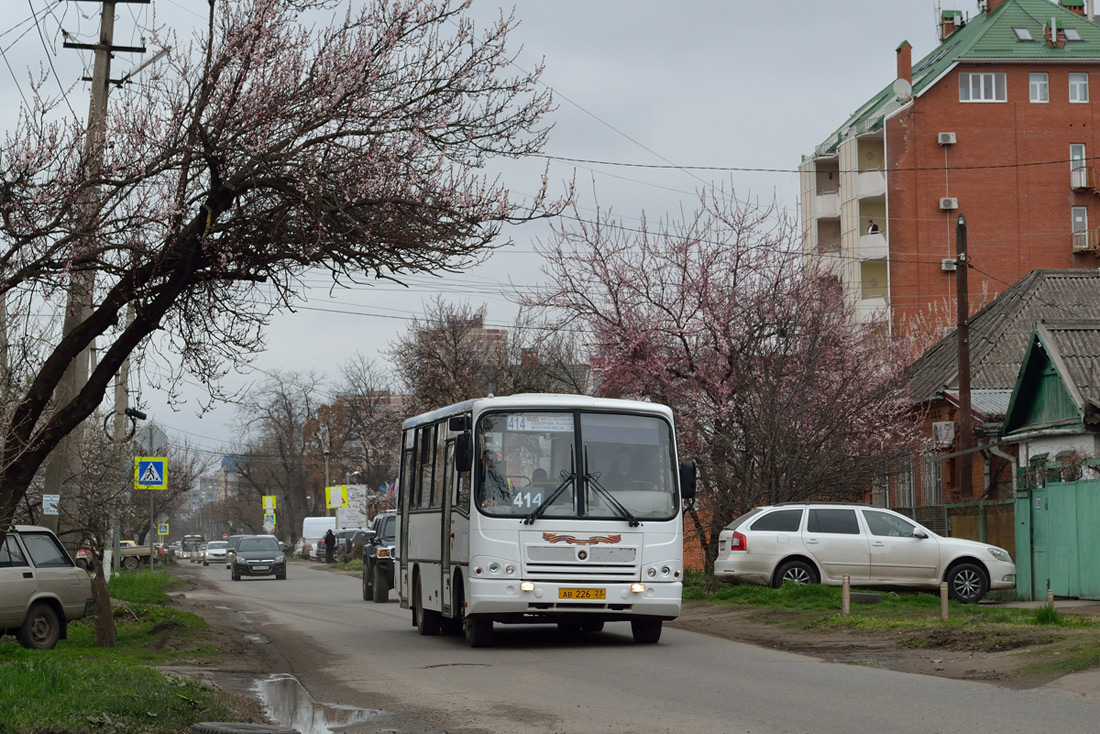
<point>313,530</point>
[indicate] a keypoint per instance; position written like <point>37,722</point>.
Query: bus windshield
<point>575,464</point>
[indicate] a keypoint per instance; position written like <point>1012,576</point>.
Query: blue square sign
<point>150,472</point>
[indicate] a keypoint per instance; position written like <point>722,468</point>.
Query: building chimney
<point>991,5</point>
<point>950,21</point>
<point>1074,6</point>
<point>905,62</point>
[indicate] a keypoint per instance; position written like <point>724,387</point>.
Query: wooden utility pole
<point>964,477</point>
<point>64,461</point>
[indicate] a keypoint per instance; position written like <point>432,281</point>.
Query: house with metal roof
<point>1001,337</point>
<point>1053,423</point>
<point>997,123</point>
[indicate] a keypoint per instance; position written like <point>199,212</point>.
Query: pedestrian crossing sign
<point>150,472</point>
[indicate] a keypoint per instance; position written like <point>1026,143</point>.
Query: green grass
<point>1056,643</point>
<point>79,687</point>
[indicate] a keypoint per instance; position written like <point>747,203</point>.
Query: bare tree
<point>777,391</point>
<point>276,142</point>
<point>373,416</point>
<point>278,457</point>
<point>452,356</point>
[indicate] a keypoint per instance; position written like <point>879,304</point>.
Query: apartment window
<point>1040,91</point>
<point>1080,219</point>
<point>1078,86</point>
<point>1076,156</point>
<point>983,87</point>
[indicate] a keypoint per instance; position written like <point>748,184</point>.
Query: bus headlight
<point>510,570</point>
<point>637,587</point>
<point>651,572</point>
<point>494,568</point>
<point>526,585</point>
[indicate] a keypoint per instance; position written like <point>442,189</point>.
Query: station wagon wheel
<point>795,572</point>
<point>967,583</point>
<point>41,629</point>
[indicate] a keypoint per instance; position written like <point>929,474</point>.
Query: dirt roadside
<point>956,652</point>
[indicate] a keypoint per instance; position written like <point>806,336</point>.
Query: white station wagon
<point>810,543</point>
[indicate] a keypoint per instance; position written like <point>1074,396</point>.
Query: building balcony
<point>827,206</point>
<point>871,309</point>
<point>872,246</point>
<point>1082,178</point>
<point>1087,241</point>
<point>871,184</point>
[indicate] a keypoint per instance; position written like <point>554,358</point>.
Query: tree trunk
<point>104,614</point>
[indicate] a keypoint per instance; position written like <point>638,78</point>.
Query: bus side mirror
<point>459,423</point>
<point>688,472</point>
<point>464,451</point>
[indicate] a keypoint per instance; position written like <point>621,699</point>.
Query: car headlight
<point>1000,555</point>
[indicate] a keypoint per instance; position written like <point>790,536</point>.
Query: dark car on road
<point>378,557</point>
<point>258,555</point>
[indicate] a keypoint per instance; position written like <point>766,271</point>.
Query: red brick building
<point>998,123</point>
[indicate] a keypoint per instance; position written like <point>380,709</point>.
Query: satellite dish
<point>903,90</point>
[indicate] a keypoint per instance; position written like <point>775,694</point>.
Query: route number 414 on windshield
<point>527,499</point>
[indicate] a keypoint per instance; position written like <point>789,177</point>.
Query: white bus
<point>541,508</point>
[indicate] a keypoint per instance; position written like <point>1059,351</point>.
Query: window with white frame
<point>982,87</point>
<point>1076,156</point>
<point>931,481</point>
<point>903,482</point>
<point>1078,86</point>
<point>1039,85</point>
<point>1080,215</point>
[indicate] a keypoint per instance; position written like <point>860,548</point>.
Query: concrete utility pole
<point>64,462</point>
<point>964,476</point>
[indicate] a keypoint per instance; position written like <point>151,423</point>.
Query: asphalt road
<point>535,679</point>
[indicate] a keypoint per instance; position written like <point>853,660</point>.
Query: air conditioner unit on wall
<point>949,202</point>
<point>945,138</point>
<point>943,433</point>
<point>947,265</point>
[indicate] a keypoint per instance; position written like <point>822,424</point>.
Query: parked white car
<point>810,543</point>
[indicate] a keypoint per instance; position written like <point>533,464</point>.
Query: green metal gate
<point>1058,540</point>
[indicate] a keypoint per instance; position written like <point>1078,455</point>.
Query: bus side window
<point>426,442</point>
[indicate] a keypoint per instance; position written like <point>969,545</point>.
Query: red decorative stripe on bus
<point>573,540</point>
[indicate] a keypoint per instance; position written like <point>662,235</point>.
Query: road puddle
<point>290,704</point>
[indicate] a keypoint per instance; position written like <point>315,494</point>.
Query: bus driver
<point>495,488</point>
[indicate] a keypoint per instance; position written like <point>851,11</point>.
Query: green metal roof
<point>984,38</point>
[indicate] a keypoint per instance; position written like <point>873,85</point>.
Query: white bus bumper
<point>504,597</point>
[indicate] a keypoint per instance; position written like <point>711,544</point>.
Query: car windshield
<point>258,544</point>
<point>575,464</point>
<point>388,530</point>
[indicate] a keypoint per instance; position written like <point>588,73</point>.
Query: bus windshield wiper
<point>537,512</point>
<point>593,481</point>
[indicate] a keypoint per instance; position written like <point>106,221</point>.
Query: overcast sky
<point>732,84</point>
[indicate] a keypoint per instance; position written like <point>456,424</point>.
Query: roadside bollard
<point>943,601</point>
<point>1050,598</point>
<point>846,597</point>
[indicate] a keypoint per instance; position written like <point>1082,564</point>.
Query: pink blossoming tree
<point>290,135</point>
<point>777,392</point>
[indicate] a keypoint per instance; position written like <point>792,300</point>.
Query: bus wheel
<point>646,631</point>
<point>479,632</point>
<point>427,620</point>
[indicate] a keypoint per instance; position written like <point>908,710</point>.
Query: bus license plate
<point>582,594</point>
